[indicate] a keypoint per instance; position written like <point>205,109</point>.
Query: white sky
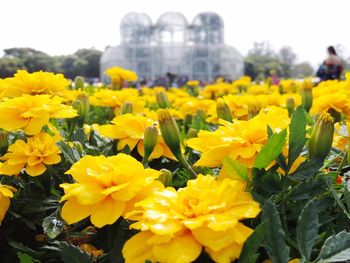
<point>63,26</point>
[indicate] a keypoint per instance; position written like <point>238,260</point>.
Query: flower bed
<point>232,171</point>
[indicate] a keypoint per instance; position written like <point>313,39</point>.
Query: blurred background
<point>287,38</point>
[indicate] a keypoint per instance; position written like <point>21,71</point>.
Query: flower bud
<point>79,83</point>
<point>254,107</point>
<point>170,131</point>
<point>306,95</point>
<point>162,100</point>
<point>166,177</point>
<point>321,139</point>
<point>4,142</point>
<point>82,105</point>
<point>127,108</point>
<point>171,136</point>
<point>290,104</point>
<point>150,140</point>
<point>201,114</point>
<point>223,111</point>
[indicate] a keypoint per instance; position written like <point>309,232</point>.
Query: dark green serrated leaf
<point>271,150</point>
<point>73,254</point>
<point>307,169</point>
<point>297,135</point>
<point>249,253</point>
<point>336,248</point>
<point>269,181</point>
<point>275,237</point>
<point>307,190</point>
<point>67,152</point>
<point>347,197</point>
<point>235,168</point>
<point>307,229</point>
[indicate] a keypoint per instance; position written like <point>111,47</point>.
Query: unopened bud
<point>254,107</point>
<point>4,142</point>
<point>127,108</point>
<point>170,131</point>
<point>223,111</point>
<point>166,177</point>
<point>150,140</point>
<point>82,105</point>
<point>321,139</point>
<point>79,83</point>
<point>290,104</point>
<point>162,100</point>
<point>306,95</point>
<point>171,136</point>
<point>201,114</point>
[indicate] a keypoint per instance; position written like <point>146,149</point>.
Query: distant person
<point>332,67</point>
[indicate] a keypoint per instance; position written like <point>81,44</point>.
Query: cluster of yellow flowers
<point>175,225</point>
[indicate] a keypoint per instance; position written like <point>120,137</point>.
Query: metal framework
<point>172,45</point>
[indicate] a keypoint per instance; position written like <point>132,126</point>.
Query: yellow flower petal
<point>35,170</point>
<point>137,249</point>
<point>107,212</point>
<point>73,212</point>
<point>181,249</point>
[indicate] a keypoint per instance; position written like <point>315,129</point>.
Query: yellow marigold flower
<point>338,101</point>
<point>36,83</point>
<point>341,136</point>
<point>193,83</point>
<point>35,154</point>
<point>6,192</point>
<point>240,140</point>
<point>116,99</point>
<point>31,113</point>
<point>105,188</point>
<point>129,130</point>
<point>118,75</point>
<point>176,225</point>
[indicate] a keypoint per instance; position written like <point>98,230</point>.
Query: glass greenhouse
<point>172,46</point>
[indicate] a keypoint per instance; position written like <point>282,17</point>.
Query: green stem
<point>283,201</point>
<point>342,163</point>
<point>186,165</point>
<point>336,198</point>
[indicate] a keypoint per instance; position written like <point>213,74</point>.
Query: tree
<point>287,57</point>
<point>261,60</point>
<point>302,70</point>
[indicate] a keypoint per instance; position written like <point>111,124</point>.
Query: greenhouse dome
<point>174,46</point>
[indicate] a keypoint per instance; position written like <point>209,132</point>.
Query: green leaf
<point>270,181</point>
<point>297,135</point>
<point>53,225</point>
<point>25,258</point>
<point>307,229</point>
<point>73,254</point>
<point>271,150</point>
<point>307,169</point>
<point>336,248</point>
<point>235,168</point>
<point>67,152</point>
<point>249,253</point>
<point>307,190</point>
<point>275,236</point>
<point>347,197</point>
